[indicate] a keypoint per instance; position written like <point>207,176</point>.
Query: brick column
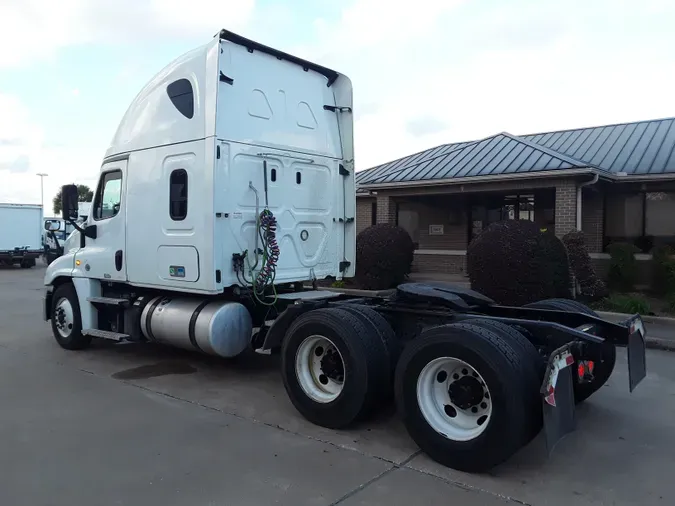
<point>364,213</point>
<point>592,218</point>
<point>386,209</point>
<point>565,207</point>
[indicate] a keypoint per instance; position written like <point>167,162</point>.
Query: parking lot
<point>138,424</point>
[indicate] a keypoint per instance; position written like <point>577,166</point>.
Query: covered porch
<point>443,221</point>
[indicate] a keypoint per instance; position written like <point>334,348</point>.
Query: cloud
<point>35,30</point>
<point>443,72</point>
<point>24,152</point>
<point>425,73</point>
<point>19,164</point>
<point>420,127</point>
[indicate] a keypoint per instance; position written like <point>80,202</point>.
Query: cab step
<point>106,334</point>
<point>108,300</point>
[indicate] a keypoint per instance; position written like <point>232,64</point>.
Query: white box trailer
<point>21,228</point>
<point>228,185</point>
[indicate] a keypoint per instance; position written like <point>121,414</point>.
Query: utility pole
<point>42,190</point>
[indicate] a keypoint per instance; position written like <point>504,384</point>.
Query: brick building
<point>615,183</point>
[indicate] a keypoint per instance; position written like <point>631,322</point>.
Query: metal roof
<point>646,147</point>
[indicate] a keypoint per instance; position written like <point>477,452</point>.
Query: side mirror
<point>52,225</point>
<point>69,202</point>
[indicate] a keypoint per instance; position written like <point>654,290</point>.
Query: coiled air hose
<point>266,231</point>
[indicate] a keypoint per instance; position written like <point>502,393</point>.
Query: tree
<point>515,263</point>
<point>84,194</point>
<point>591,286</point>
<point>384,256</point>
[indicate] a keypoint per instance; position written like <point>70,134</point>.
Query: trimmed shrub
<point>663,270</point>
<point>515,263</point>
<point>670,303</point>
<point>591,286</point>
<point>623,268</point>
<point>384,256</point>
<point>625,303</point>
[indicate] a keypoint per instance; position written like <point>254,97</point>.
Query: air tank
<point>214,327</point>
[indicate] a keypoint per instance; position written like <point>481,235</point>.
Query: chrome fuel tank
<point>215,327</point>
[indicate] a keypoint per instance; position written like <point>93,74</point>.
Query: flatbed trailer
<point>209,217</point>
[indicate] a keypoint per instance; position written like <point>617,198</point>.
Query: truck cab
<point>231,171</point>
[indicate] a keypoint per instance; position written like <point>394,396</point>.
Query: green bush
<point>384,255</point>
<point>515,263</point>
<point>623,268</point>
<point>670,303</point>
<point>663,270</point>
<point>591,286</point>
<point>624,303</point>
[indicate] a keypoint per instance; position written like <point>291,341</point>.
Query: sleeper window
<point>178,195</point>
<point>182,97</point>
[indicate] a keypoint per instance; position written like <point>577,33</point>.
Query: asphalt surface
<point>142,425</point>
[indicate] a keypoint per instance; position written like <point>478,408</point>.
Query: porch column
<point>565,207</point>
<point>386,209</point>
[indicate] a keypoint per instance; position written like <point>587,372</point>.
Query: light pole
<point>42,190</point>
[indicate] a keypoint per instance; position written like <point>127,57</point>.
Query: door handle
<point>118,260</point>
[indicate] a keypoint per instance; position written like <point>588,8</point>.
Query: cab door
<point>103,255</point>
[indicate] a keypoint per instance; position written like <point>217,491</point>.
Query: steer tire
<point>366,367</point>
<point>532,369</point>
<point>497,363</point>
<point>74,340</point>
<point>603,369</point>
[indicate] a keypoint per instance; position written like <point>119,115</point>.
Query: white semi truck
<point>20,234</point>
<point>229,185</point>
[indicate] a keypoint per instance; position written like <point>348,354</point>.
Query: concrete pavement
<point>137,424</point>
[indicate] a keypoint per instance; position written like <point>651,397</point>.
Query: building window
<point>659,212</point>
<point>624,217</point>
<point>108,195</point>
<point>182,97</point>
<point>643,219</point>
<point>373,213</point>
<point>407,217</point>
<point>491,207</point>
<point>178,194</point>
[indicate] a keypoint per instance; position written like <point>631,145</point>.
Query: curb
<point>661,320</point>
<point>653,343</point>
<point>656,343</point>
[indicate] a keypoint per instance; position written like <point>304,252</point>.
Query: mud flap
<point>558,397</point>
<point>637,352</point>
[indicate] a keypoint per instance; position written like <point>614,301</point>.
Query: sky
<point>425,73</point>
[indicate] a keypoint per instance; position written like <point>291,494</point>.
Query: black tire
<point>381,327</point>
<point>532,367</point>
<point>498,364</point>
<point>366,367</point>
<point>603,369</point>
<point>75,340</point>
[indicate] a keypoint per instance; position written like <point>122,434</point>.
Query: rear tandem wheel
<point>335,367</point>
<point>465,396</point>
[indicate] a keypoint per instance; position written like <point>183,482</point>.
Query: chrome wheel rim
<point>64,318</point>
<point>454,399</point>
<point>319,368</point>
